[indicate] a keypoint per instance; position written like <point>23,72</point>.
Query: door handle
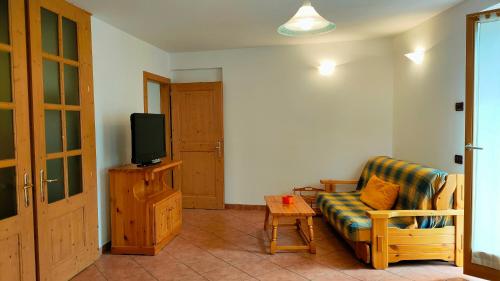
<point>26,188</point>
<point>44,181</point>
<point>471,147</point>
<point>219,148</point>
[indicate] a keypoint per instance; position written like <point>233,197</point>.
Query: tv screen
<point>148,138</point>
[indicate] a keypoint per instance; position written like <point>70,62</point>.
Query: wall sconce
<point>327,67</point>
<point>417,56</point>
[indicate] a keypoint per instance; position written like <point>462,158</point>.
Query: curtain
<point>486,185</point>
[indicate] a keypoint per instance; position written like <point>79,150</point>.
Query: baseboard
<point>106,248</point>
<point>245,207</point>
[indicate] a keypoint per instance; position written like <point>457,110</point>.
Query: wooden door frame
<point>164,89</point>
<point>164,104</point>
<point>469,267</point>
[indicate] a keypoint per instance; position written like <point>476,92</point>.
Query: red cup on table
<point>287,199</point>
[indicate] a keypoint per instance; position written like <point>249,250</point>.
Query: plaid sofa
<point>418,185</point>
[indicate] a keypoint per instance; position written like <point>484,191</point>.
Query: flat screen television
<point>148,138</point>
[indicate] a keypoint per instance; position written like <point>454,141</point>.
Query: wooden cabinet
<point>146,212</point>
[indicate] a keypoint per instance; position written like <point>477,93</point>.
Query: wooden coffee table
<point>299,210</point>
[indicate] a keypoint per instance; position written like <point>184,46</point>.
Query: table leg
<point>312,242</point>
<point>297,223</point>
<point>274,235</point>
<point>266,219</point>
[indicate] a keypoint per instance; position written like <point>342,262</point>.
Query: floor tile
<point>91,273</point>
<point>281,275</point>
<point>257,268</point>
<point>225,273</point>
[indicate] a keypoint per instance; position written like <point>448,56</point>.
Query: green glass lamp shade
<point>306,22</point>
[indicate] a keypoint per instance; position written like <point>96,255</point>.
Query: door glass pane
<point>5,78</point>
<point>51,82</point>
<point>75,175</point>
<point>70,45</point>
<point>6,135</point>
<point>71,85</point>
<point>4,21</point>
<point>50,32</point>
<point>73,130</point>
<point>55,171</point>
<point>53,131</point>
<point>8,197</point>
<point>486,183</point>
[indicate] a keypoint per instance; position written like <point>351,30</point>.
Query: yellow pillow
<point>379,194</point>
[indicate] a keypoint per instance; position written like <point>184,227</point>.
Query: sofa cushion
<point>418,185</point>
<point>379,194</point>
<point>346,212</point>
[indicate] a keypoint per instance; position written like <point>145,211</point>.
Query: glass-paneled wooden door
<point>482,138</point>
<point>17,249</point>
<point>63,132</point>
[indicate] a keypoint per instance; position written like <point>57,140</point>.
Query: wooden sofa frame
<point>390,245</point>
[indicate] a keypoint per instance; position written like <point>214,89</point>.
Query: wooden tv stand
<point>146,211</point>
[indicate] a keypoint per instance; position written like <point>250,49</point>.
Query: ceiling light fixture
<point>306,22</point>
<point>327,67</point>
<point>417,56</point>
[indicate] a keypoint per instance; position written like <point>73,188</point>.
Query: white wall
<point>197,75</point>
<point>426,127</point>
<point>119,60</point>
<point>285,125</point>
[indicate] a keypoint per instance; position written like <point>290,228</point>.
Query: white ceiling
<point>195,25</point>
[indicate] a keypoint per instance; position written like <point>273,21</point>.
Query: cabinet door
<point>162,220</point>
<point>64,144</point>
<point>176,213</point>
<point>17,254</point>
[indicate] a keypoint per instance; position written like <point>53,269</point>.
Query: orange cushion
<point>379,194</point>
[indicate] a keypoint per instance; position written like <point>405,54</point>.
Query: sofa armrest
<point>331,185</point>
<point>386,214</point>
<point>329,181</point>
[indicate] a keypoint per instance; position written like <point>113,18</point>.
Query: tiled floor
<point>231,245</point>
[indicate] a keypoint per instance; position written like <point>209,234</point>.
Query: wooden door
<point>63,132</point>
<point>17,254</point>
<point>198,140</point>
<point>482,153</point>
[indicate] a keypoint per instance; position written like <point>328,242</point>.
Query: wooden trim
<point>331,184</point>
<point>157,78</point>
<point>7,105</point>
<point>413,213</point>
<point>475,16</point>
<point>469,267</point>
<point>60,59</point>
<point>164,107</point>
<point>244,207</point>
<point>8,163</point>
<point>5,47</point>
<point>148,76</point>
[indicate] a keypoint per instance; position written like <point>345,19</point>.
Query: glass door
<point>63,129</point>
<point>17,255</point>
<point>482,226</point>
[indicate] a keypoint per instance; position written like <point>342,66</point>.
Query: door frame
<point>165,108</point>
<point>469,267</point>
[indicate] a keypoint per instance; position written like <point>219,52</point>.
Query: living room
<point>265,120</point>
